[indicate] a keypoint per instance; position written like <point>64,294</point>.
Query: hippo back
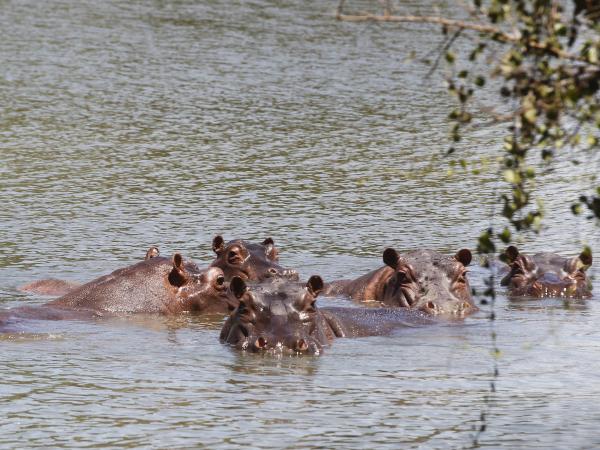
<point>142,287</point>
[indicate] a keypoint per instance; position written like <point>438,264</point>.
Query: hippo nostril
<point>220,280</point>
<point>301,345</point>
<point>261,342</point>
<point>272,271</point>
<point>431,305</point>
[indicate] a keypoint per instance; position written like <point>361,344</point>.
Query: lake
<point>127,124</point>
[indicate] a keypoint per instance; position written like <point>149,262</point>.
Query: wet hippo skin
<point>283,318</point>
<point>423,280</point>
<point>546,275</point>
<point>156,285</point>
<point>251,262</point>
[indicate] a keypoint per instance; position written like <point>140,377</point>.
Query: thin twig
<point>443,50</point>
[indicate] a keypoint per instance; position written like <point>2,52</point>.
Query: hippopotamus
<point>547,275</point>
<point>423,280</point>
<point>283,318</point>
<point>55,287</point>
<point>156,285</point>
<point>251,262</point>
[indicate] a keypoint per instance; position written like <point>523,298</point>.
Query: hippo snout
<point>288,345</point>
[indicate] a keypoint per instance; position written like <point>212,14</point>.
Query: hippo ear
<point>464,256</point>
<point>152,252</point>
<point>315,285</point>
<point>238,287</point>
<point>391,257</point>
<point>218,244</point>
<point>270,249</point>
<point>510,254</point>
<point>178,276</point>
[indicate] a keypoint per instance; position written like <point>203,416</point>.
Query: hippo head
<point>195,290</point>
<point>429,281</point>
<point>547,274</point>
<point>252,262</point>
<point>280,318</point>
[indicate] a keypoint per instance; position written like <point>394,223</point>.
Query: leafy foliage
<point>549,72</point>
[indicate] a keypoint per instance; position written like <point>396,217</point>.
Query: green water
<point>130,124</point>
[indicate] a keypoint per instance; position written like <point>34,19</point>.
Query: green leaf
<point>485,243</point>
<point>586,253</point>
<point>450,57</point>
<point>511,176</point>
<point>537,223</point>
<point>505,235</point>
<point>530,172</point>
<point>560,29</point>
<point>530,115</point>
<point>592,55</point>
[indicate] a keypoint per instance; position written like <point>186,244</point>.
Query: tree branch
<point>496,32</point>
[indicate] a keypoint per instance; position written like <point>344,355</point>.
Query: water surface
<point>130,124</point>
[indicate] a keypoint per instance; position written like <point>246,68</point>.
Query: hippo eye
<point>234,258</point>
<point>402,276</point>
<point>517,269</point>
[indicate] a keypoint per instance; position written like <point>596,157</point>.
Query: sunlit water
<point>130,124</point>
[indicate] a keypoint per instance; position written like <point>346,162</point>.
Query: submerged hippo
<point>547,275</point>
<point>55,287</point>
<point>284,318</point>
<point>252,262</point>
<point>155,285</point>
<point>424,280</point>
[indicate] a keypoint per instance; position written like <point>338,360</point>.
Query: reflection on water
<point>130,124</point>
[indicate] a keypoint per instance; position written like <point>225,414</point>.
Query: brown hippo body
<point>155,286</point>
<point>284,318</point>
<point>423,280</point>
<point>547,275</point>
<point>251,262</point>
<point>247,260</point>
